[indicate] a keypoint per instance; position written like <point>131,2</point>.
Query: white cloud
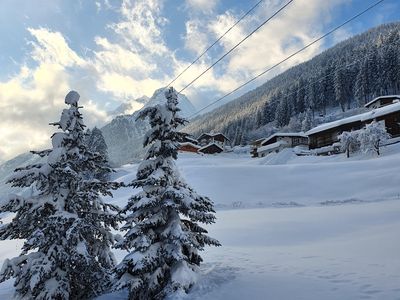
<point>196,37</point>
<point>205,6</point>
<point>114,57</point>
<point>134,63</point>
<point>51,47</point>
<point>98,6</point>
<point>34,97</point>
<point>125,87</point>
<point>141,24</point>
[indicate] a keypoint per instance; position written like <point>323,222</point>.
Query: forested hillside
<point>344,77</point>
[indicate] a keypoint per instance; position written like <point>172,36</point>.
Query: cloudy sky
<point>114,51</point>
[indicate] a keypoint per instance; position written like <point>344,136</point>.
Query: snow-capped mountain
<point>187,108</point>
<point>124,134</point>
<point>127,108</point>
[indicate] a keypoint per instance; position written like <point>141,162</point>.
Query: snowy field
<point>291,227</point>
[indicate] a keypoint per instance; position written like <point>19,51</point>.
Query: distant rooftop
<point>285,134</point>
<point>382,97</point>
<point>212,135</point>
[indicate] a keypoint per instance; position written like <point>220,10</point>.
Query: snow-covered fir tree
<point>63,220</point>
<point>349,141</point>
<point>96,143</point>
<point>372,136</point>
<point>162,220</point>
<point>308,121</point>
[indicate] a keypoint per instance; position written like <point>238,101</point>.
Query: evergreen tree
<point>300,96</point>
<point>362,87</point>
<point>327,87</point>
<point>282,113</point>
<point>310,96</point>
<point>162,220</point>
<point>374,73</point>
<point>308,121</point>
<point>65,223</point>
<point>341,87</point>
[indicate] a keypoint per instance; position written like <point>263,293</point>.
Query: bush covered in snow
<point>372,136</point>
<point>349,142</point>
<point>368,139</point>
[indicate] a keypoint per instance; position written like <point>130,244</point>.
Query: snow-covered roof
<point>360,117</point>
<point>285,134</point>
<point>209,145</point>
<point>189,144</point>
<point>190,138</point>
<point>381,97</point>
<point>212,135</point>
<point>271,146</point>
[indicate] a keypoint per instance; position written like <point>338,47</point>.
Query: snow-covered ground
<point>291,227</point>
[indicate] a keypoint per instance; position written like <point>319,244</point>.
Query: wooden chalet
<point>279,141</point>
<point>327,134</point>
<point>211,148</point>
<point>189,145</point>
<point>213,138</point>
<point>381,101</point>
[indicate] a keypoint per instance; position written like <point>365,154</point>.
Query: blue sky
<point>114,51</point>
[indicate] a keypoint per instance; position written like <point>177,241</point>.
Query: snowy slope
<point>324,227</point>
<point>284,179</point>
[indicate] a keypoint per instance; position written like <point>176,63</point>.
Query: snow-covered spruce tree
<point>64,221</point>
<point>372,136</point>
<point>349,142</point>
<point>163,234</point>
<point>308,121</point>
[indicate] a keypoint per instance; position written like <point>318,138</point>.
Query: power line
<point>290,56</point>
<point>237,45</point>
<point>213,44</point>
